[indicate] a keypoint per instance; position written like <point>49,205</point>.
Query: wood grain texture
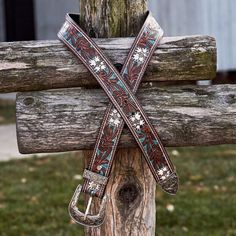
<point>41,65</point>
<point>66,120</point>
<point>120,18</point>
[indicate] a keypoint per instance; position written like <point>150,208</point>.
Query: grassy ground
<point>34,195</point>
<point>7,112</point>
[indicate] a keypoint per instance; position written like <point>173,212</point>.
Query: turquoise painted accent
<point>155,141</point>
<point>107,70</point>
<point>65,35</point>
<point>104,154</point>
<point>145,147</point>
<point>109,157</point>
<point>98,151</point>
<point>122,86</point>
<point>105,166</point>
<point>142,139</point>
<point>70,42</point>
<point>114,140</point>
<point>113,76</point>
<point>151,41</point>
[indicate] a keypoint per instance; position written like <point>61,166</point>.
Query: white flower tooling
<point>115,118</point>
<point>97,64</point>
<point>164,173</point>
<point>93,186</point>
<point>137,120</point>
<point>140,54</point>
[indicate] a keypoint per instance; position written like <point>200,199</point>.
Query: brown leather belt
<point>124,108</point>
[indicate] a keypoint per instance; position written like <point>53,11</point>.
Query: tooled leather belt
<point>124,108</point>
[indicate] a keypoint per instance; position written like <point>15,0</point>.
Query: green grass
<point>206,202</point>
<point>7,112</point>
<point>34,195</point>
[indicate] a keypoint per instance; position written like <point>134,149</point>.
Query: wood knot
<point>28,101</point>
<point>231,99</point>
<point>128,193</point>
<point>129,197</point>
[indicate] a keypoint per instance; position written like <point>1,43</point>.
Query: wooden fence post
<point>131,189</point>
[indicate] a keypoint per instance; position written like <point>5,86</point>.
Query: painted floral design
<point>107,140</point>
<point>103,154</point>
<point>115,118</point>
<point>97,64</point>
<point>148,38</point>
<point>93,187</point>
<point>163,173</point>
<point>140,54</point>
<point>100,164</point>
<point>137,120</point>
<point>156,156</point>
<point>132,73</point>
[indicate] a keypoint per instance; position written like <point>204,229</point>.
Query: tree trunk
<point>131,189</point>
<point>112,18</point>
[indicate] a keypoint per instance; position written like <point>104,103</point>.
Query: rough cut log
<point>66,120</point>
<point>42,65</point>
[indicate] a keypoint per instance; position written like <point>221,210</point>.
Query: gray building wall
<point>212,17</point>
<point>50,14</point>
<point>2,22</point>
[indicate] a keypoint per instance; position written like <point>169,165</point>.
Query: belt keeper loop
<point>97,178</point>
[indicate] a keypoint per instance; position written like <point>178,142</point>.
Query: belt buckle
<point>85,218</point>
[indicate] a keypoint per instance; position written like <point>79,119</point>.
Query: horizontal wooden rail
<point>69,119</point>
<point>41,65</point>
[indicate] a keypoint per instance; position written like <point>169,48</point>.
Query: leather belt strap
<point>120,89</point>
<point>125,103</point>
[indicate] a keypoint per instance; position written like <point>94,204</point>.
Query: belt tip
<point>171,185</point>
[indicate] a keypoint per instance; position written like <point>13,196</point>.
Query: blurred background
<point>34,192</point>
<point>42,19</point>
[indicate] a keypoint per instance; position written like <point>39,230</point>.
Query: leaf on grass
<point>201,189</point>
<point>2,206</point>
<point>78,177</point>
<point>23,180</point>
<point>196,177</point>
<point>170,207</point>
<point>185,229</point>
<point>34,200</point>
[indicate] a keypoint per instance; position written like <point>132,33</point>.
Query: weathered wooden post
<point>131,189</point>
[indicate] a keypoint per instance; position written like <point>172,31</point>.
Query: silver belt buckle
<point>85,218</point>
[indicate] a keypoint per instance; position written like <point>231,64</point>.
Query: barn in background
<point>41,19</point>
